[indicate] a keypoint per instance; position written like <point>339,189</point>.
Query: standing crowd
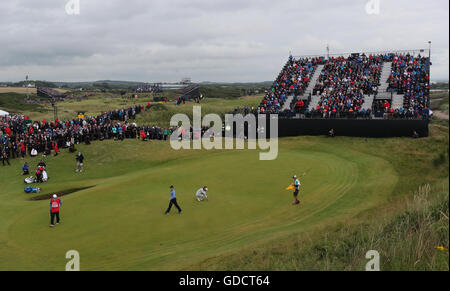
<point>20,137</point>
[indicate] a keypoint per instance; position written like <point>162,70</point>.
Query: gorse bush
<point>442,158</point>
<point>159,107</point>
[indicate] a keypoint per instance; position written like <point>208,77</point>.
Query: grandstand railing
<point>411,51</point>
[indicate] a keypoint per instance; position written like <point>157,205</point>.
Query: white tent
<point>3,113</point>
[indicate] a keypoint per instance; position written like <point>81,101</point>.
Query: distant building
<point>186,81</point>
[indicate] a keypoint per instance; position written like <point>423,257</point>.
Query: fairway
<point>119,223</point>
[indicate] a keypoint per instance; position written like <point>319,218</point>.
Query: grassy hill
<point>358,194</point>
<point>118,223</point>
<point>15,103</point>
<point>101,102</point>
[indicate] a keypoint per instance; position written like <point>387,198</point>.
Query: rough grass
<point>416,238</point>
<point>440,101</point>
<point>15,103</point>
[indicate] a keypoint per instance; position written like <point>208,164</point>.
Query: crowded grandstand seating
<point>155,88</point>
<point>50,93</point>
<point>346,81</point>
<point>190,92</point>
<point>343,83</point>
<point>411,77</point>
<point>292,80</point>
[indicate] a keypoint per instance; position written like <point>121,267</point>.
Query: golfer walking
<point>55,204</point>
<point>173,201</point>
<point>80,159</point>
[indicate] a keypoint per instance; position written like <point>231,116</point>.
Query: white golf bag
<point>30,180</point>
<point>44,176</point>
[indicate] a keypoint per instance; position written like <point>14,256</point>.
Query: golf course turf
<point>118,223</point>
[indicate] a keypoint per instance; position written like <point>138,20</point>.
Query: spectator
<point>5,158</point>
<point>331,133</point>
<point>25,169</point>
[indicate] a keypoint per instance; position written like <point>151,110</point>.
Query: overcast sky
<point>207,40</point>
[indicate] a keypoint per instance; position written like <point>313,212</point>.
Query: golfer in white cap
<point>201,194</point>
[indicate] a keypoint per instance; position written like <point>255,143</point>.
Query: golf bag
<point>30,180</point>
<point>29,189</point>
<point>44,176</point>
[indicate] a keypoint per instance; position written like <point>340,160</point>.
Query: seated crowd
<point>50,93</point>
<point>148,89</point>
<point>410,77</point>
<point>343,83</point>
<point>293,79</point>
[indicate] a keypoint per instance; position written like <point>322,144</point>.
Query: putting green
<point>119,224</point>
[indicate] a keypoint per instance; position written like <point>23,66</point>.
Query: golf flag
<point>291,187</point>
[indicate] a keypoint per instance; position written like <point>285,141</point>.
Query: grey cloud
<point>220,40</point>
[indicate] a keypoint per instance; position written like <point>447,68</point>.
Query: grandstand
<point>380,85</point>
<point>191,91</point>
<point>50,93</point>
<point>148,88</point>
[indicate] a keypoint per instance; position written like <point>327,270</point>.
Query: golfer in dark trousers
<point>173,201</point>
<point>55,204</point>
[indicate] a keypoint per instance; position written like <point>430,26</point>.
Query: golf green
<point>119,223</point>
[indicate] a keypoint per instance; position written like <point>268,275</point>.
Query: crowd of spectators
<point>410,77</point>
<point>343,83</point>
<point>50,93</point>
<point>155,88</point>
<point>20,137</point>
<point>382,107</point>
<point>335,113</point>
<point>293,79</point>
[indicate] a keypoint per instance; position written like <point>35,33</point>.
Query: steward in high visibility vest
<point>55,204</point>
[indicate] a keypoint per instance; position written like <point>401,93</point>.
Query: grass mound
<point>15,102</point>
<point>60,193</point>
